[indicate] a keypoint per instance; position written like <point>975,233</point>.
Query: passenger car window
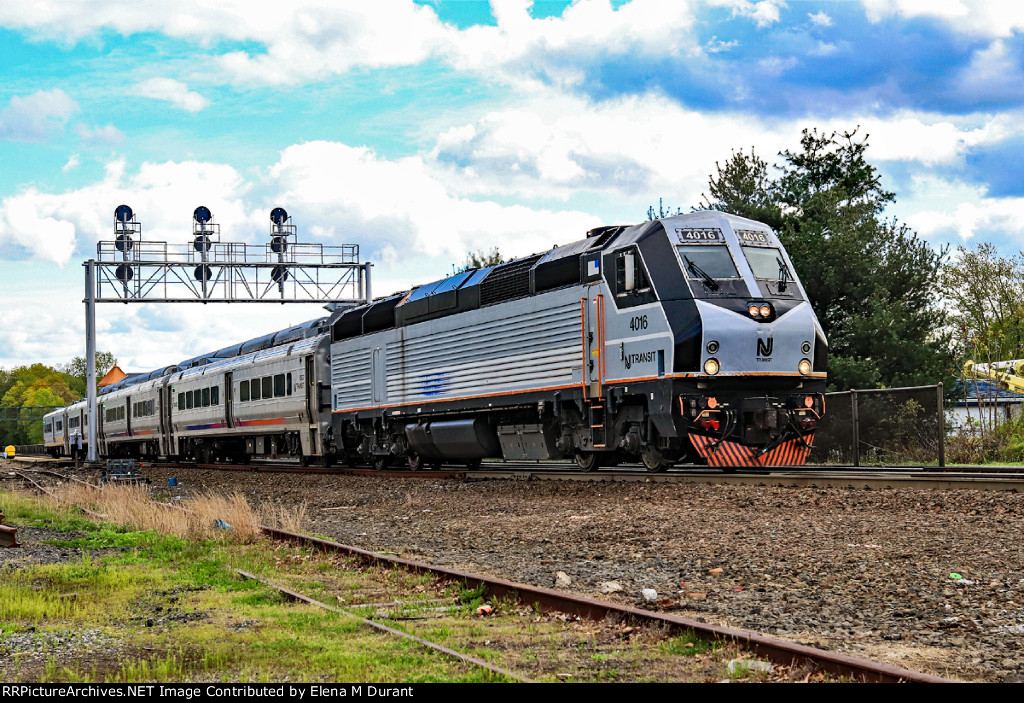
<point>279,385</point>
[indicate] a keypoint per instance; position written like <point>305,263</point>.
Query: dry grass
<point>196,518</point>
<point>277,515</point>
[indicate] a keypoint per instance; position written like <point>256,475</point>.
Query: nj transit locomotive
<point>682,339</point>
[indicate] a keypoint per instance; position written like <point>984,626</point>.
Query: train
<point>687,339</point>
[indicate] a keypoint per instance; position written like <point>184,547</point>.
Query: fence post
<point>856,427</point>
<point>941,401</point>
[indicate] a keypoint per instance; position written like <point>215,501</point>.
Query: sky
<point>425,129</point>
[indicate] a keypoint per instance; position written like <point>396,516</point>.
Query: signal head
<point>279,216</point>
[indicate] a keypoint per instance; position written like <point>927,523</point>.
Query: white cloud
<point>310,40</point>
<point>72,163</point>
<point>32,118</point>
<point>820,19</point>
<point>404,205</point>
<point>106,135</point>
<point>937,208</point>
<point>763,13</point>
<point>172,91</point>
<point>976,17</point>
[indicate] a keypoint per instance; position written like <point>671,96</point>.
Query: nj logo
<point>764,346</point>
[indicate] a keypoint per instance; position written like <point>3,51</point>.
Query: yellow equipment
<point>1008,375</point>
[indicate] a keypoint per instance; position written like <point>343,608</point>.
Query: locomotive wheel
<point>380,462</point>
<point>588,461</point>
<point>653,460</point>
<point>415,461</point>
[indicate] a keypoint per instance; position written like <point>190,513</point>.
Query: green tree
<point>79,367</point>
<point>872,281</point>
<point>986,302</point>
<point>482,259</point>
<point>985,296</point>
<point>26,388</point>
<point>661,212</point>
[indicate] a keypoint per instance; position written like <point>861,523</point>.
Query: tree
<point>872,281</point>
<point>985,295</point>
<point>482,259</point>
<point>986,302</point>
<point>27,388</point>
<point>661,212</point>
<point>79,366</point>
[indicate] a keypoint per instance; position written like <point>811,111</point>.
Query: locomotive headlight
<point>766,310</point>
<point>711,367</point>
<point>804,366</point>
<point>754,310</point>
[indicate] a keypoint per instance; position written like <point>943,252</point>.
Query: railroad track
<point>1000,478</point>
<point>779,651</point>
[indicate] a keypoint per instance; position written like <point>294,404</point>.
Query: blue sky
<point>423,130</point>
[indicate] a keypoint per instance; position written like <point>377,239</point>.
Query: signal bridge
<point>129,269</point>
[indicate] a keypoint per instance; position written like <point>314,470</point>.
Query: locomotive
<point>685,339</point>
<point>688,338</point>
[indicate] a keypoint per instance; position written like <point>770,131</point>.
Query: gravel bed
<point>873,573</point>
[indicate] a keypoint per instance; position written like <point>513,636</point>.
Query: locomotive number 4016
<point>638,322</point>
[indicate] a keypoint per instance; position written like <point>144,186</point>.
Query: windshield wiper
<point>694,268</point>
<point>783,274</point>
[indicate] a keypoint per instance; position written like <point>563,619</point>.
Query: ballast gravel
<point>923,579</point>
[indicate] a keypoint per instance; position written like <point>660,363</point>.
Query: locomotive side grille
<point>511,280</point>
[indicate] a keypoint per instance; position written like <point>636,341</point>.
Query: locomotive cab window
<point>768,265</point>
<point>630,275</point>
<point>707,261</point>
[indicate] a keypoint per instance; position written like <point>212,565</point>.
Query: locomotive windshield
<point>712,261</point>
<point>767,263</point>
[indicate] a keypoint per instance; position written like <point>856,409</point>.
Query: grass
<point>174,610</point>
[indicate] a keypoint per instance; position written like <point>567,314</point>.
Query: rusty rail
<point>469,659</point>
<point>779,651</point>
<point>8,535</point>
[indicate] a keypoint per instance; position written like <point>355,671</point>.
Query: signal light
<point>711,367</point>
<point>804,366</point>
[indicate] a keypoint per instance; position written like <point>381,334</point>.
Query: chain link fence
<point>888,426</point>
